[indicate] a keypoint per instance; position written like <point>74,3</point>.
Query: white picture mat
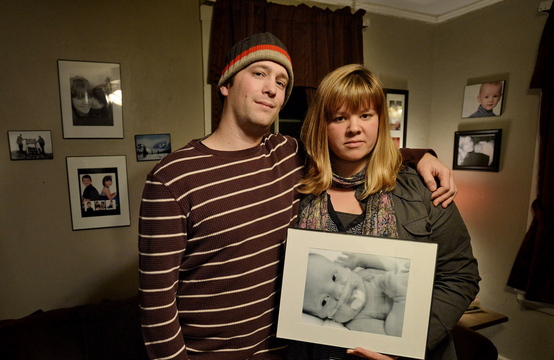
<point>95,72</point>
<point>422,257</point>
<point>92,162</point>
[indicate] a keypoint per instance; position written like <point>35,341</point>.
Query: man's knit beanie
<point>259,47</point>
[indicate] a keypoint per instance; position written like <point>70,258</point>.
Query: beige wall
<point>43,263</point>
<point>46,265</point>
<point>435,62</point>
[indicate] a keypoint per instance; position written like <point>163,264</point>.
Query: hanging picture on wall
<point>91,99</point>
<point>395,276</point>
<point>483,100</point>
<point>98,191</point>
<point>397,105</point>
<point>477,150</point>
<point>152,147</point>
<point>30,144</point>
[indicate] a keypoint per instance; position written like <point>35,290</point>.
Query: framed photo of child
<point>483,100</point>
<point>352,291</point>
<point>98,192</point>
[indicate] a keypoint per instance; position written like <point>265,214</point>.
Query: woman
<point>81,93</point>
<point>355,183</point>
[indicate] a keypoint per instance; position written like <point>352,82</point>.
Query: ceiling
<point>429,11</point>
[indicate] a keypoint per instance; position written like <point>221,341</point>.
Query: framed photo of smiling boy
<point>91,99</point>
<point>352,291</point>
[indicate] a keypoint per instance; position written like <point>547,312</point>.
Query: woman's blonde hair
<point>358,88</point>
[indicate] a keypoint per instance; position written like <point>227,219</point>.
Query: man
<point>214,217</point>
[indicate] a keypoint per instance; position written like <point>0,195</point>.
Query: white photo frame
<point>95,212</point>
<point>104,77</point>
<point>294,324</point>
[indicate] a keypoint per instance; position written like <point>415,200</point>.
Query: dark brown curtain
<point>318,40</point>
<point>533,270</point>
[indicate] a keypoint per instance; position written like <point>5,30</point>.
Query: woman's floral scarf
<point>379,220</point>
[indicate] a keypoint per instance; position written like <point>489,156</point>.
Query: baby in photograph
<point>361,291</point>
<point>489,96</point>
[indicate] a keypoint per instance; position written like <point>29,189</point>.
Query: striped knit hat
<point>259,47</point>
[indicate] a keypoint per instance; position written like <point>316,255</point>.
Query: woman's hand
<point>370,354</point>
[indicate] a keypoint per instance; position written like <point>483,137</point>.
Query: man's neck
<point>226,138</point>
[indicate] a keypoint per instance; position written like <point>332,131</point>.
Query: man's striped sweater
<point>212,230</point>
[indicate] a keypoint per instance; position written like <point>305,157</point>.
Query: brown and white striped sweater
<point>211,235</point>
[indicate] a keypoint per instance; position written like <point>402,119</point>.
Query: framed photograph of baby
<point>98,191</point>
<point>477,150</point>
<point>352,291</point>
<point>90,99</point>
<point>397,105</point>
<point>30,145</point>
<point>484,100</point>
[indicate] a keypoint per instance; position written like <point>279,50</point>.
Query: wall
<point>43,263</point>
<point>435,62</point>
<point>46,265</point>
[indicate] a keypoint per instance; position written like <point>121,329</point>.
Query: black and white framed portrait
<point>477,150</point>
<point>91,99</point>
<point>30,144</point>
<point>350,290</point>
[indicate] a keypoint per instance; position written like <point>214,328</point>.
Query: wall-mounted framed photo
<point>152,147</point>
<point>369,270</point>
<point>397,104</point>
<point>30,144</point>
<point>477,150</point>
<point>91,99</point>
<point>98,192</point>
<point>483,100</point>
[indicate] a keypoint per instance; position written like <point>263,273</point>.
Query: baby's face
<point>489,95</point>
<point>332,291</point>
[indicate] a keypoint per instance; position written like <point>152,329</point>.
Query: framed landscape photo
<point>397,105</point>
<point>367,268</point>
<point>477,150</point>
<point>483,100</point>
<point>91,99</point>
<point>152,147</point>
<point>30,144</point>
<point>98,192</point>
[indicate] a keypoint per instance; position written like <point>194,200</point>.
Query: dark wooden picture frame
<point>477,150</point>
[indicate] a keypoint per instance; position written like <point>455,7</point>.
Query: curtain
<point>318,40</point>
<point>533,270</point>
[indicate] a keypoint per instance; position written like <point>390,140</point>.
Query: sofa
<point>111,330</point>
<point>107,330</point>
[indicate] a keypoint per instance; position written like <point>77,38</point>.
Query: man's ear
<point>224,89</point>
